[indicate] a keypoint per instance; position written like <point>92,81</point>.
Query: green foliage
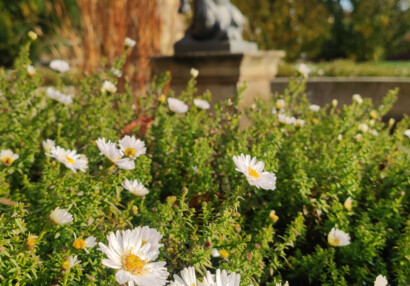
<point>197,200</point>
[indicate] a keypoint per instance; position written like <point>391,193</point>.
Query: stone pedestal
<point>222,73</point>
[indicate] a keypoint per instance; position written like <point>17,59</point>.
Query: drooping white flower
<point>203,104</point>
<point>284,119</point>
<point>7,157</point>
<point>135,187</point>
<point>71,262</point>
<point>187,278</point>
<point>253,171</point>
<point>59,96</point>
<point>48,144</point>
<point>194,72</point>
<point>69,158</point>
<point>337,237</point>
<point>132,147</point>
<point>407,133</point>
<point>177,105</point>
<point>89,242</point>
<point>380,281</point>
<point>129,42</point>
<point>221,278</point>
<point>358,98</point>
<point>110,150</point>
<point>132,260</point>
<point>314,107</point>
<point>59,65</point>
<point>108,86</point>
<point>31,70</point>
<point>363,127</point>
<point>61,216</point>
<point>304,69</point>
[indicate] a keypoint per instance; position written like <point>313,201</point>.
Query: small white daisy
<point>7,157</point>
<point>59,65</point>
<point>108,86</point>
<point>110,150</point>
<point>187,278</point>
<point>304,69</point>
<point>135,187</point>
<point>357,98</point>
<point>407,133</point>
<point>363,127</point>
<point>221,278</point>
<point>337,237</point>
<point>284,119</point>
<point>71,262</point>
<point>177,105</point>
<point>61,216</point>
<point>253,171</point>
<point>203,104</point>
<point>194,72</point>
<point>69,158</point>
<point>48,144</point>
<point>215,253</point>
<point>132,147</point>
<point>31,70</point>
<point>59,96</point>
<point>89,242</point>
<point>129,42</point>
<point>314,107</point>
<point>380,281</point>
<point>132,260</point>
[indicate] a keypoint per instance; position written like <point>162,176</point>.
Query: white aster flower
<point>59,96</point>
<point>335,102</point>
<point>203,104</point>
<point>194,72</point>
<point>110,150</point>
<point>358,98</point>
<point>215,253</point>
<point>31,70</point>
<point>71,262</point>
<point>314,107</point>
<point>254,172</point>
<point>284,119</point>
<point>407,133</point>
<point>280,104</point>
<point>363,127</point>
<point>61,216</point>
<point>48,144</point>
<point>380,281</point>
<point>304,69</point>
<point>89,242</point>
<point>151,236</point>
<point>7,157</point>
<point>132,260</point>
<point>132,147</point>
<point>135,187</point>
<point>177,105</point>
<point>299,122</point>
<point>116,72</point>
<point>59,65</point>
<point>187,278</point>
<point>108,86</point>
<point>129,42</point>
<point>69,158</point>
<point>221,279</point>
<point>337,237</point>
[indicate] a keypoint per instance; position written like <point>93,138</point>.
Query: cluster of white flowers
<point>7,157</point>
<point>59,65</point>
<point>130,147</point>
<point>69,158</point>
<point>221,278</point>
<point>58,95</point>
<point>253,170</point>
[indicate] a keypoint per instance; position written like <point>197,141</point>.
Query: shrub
<point>202,206</point>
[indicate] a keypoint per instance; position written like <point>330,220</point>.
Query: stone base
<point>189,46</point>
<point>223,73</point>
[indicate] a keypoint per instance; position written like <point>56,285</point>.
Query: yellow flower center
<point>133,264</point>
<point>253,173</point>
<point>79,243</point>
<point>7,161</point>
<point>224,254</point>
<point>130,152</point>
<point>31,242</point>
<point>333,241</point>
<point>66,264</point>
<point>144,242</point>
<point>69,159</point>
